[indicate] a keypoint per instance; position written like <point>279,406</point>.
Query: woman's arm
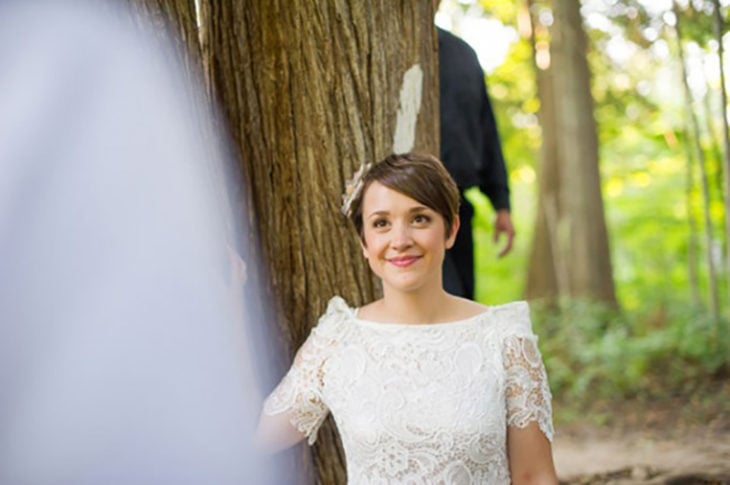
<point>530,456</point>
<point>276,433</point>
<point>296,408</point>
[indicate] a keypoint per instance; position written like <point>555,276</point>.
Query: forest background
<point>659,118</point>
<point>614,127</point>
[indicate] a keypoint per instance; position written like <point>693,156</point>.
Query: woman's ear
<point>364,248</point>
<point>454,229</point>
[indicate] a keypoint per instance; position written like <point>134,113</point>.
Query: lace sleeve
<point>527,391</point>
<point>300,391</point>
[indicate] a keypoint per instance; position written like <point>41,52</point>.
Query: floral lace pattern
<point>419,403</point>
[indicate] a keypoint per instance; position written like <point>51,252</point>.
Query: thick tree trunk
<point>177,21</point>
<point>571,205</point>
<point>586,251</point>
<point>311,90</point>
<point>177,24</point>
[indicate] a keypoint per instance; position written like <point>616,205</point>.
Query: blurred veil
<point>123,352</point>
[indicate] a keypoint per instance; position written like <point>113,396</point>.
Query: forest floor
<point>677,440</point>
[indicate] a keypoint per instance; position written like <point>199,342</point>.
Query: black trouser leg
<point>458,273</point>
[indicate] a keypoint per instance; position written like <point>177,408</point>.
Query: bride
<point>424,387</point>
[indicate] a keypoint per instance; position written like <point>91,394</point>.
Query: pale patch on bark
<point>410,105</point>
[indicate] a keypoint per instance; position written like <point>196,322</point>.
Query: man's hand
<point>503,224</point>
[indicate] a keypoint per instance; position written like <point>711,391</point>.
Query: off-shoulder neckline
<point>463,321</point>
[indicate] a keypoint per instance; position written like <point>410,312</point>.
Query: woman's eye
<point>378,223</point>
<point>421,219</point>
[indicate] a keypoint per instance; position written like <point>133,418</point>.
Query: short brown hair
<point>419,176</point>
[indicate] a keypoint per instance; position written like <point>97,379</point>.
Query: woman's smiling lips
<point>403,261</point>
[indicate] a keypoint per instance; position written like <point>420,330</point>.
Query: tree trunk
<point>546,278</point>
<point>719,30</point>
<point>701,163</point>
<point>310,91</point>
<point>693,238</point>
<point>570,192</point>
<point>177,21</point>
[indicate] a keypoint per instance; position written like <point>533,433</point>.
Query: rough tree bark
<point>311,90</point>
<point>177,21</point>
<point>571,202</point>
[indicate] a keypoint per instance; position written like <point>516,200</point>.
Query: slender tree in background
<point>716,169</point>
<point>547,273</point>
<point>693,246</point>
<point>699,158</point>
<point>719,29</point>
<point>570,198</point>
<point>311,90</point>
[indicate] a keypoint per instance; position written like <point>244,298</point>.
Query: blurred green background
<point>663,340</point>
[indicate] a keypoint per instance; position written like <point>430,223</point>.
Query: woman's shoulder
<point>515,311</point>
<point>517,307</point>
<point>337,304</point>
<point>465,309</point>
<point>338,311</point>
<point>512,317</point>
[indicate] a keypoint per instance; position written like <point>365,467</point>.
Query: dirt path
<point>678,441</point>
<point>642,459</point>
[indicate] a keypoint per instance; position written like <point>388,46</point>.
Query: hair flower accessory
<point>353,188</point>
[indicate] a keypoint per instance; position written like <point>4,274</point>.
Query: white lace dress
<point>419,403</point>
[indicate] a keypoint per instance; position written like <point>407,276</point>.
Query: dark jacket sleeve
<point>470,146</point>
<point>493,172</point>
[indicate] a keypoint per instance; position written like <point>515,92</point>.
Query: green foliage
<point>503,10</point>
<point>594,353</point>
<point>662,339</point>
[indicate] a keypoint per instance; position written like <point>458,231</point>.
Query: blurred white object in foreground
<point>122,353</point>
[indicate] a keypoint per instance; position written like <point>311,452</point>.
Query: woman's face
<point>403,240</point>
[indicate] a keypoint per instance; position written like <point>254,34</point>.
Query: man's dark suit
<point>470,149</point>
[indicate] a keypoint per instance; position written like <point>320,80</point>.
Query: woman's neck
<point>428,305</point>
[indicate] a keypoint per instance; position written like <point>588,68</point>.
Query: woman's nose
<point>401,237</point>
